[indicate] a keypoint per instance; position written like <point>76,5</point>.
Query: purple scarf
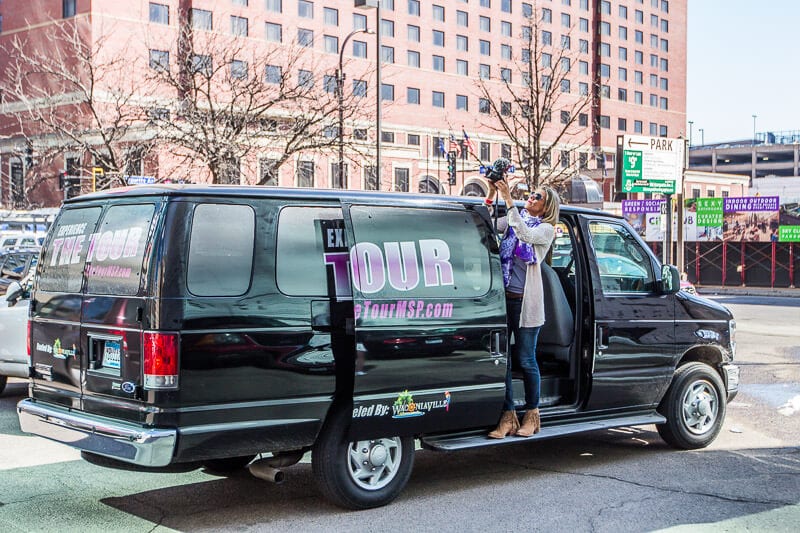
<point>511,246</point>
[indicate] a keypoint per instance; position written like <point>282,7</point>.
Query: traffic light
<point>70,184</point>
<point>451,168</point>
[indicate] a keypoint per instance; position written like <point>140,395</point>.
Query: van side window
<point>221,250</point>
<point>305,236</point>
<point>64,257</point>
<point>425,253</point>
<point>623,265</point>
<point>116,250</point>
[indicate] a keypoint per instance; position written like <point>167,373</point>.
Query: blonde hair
<point>552,205</point>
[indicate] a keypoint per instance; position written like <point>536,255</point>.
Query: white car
<point>14,333</point>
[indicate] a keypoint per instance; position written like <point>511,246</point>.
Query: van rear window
<point>110,255</point>
<point>64,258</point>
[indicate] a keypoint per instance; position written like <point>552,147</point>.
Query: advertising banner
<point>645,217</point>
<point>753,218</point>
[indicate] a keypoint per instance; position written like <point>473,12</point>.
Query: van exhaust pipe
<point>262,470</point>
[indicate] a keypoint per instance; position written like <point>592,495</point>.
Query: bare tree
<point>537,107</point>
<point>67,95</point>
<point>226,102</point>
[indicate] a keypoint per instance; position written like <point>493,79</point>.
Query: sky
<point>742,60</point>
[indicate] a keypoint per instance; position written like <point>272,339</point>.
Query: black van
<point>210,324</point>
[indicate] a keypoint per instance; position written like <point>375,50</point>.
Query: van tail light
<point>29,343</point>
<point>160,360</point>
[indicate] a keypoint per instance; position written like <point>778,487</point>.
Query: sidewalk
<point>717,290</point>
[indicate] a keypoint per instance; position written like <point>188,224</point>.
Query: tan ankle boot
<point>508,425</point>
<point>531,423</point>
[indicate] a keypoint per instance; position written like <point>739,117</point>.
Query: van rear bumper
<point>111,438</point>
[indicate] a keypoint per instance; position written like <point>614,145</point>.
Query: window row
<point>655,130</point>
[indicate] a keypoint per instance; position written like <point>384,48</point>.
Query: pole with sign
<point>652,165</point>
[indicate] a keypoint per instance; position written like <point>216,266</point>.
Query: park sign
<point>649,164</point>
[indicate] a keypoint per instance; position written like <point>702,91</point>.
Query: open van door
<point>429,320</point>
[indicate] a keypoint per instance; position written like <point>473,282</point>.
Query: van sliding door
<point>429,322</point>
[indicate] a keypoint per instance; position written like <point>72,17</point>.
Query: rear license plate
<point>111,354</point>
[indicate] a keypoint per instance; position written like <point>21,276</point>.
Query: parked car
<point>17,240</point>
<point>15,264</point>
<point>198,324</point>
<point>14,332</point>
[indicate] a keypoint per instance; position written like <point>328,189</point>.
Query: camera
<point>498,170</point>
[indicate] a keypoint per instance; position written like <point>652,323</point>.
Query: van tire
<point>694,407</point>
<point>3,381</point>
<point>334,462</point>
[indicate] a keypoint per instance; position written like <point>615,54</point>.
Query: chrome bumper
<point>731,379</point>
<point>103,436</point>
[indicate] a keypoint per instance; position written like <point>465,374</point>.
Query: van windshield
<point>107,248</point>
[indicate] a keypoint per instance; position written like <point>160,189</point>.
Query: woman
<point>529,238</point>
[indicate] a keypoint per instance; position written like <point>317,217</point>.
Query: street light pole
<point>702,137</point>
<point>691,123</point>
<point>754,129</point>
<point>340,99</point>
<point>362,4</point>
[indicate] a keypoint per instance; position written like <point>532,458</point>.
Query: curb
<point>715,290</point>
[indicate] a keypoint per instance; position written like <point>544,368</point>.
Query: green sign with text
<point>789,234</point>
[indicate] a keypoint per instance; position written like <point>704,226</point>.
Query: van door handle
<point>494,345</point>
<point>600,340</point>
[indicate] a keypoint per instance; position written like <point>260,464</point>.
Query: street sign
<point>650,164</point>
<point>140,180</point>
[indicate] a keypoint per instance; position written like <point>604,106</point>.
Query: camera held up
<point>498,170</point>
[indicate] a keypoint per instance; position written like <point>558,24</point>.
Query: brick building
<point>627,56</point>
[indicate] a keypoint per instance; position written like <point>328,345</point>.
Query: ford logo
<point>128,387</point>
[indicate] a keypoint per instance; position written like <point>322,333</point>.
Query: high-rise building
<point>449,70</point>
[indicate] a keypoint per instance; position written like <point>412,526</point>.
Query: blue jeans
<point>525,346</point>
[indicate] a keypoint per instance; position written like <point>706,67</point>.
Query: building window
<point>305,37</point>
<point>359,49</point>
<point>331,16</point>
<point>268,170</point>
<point>505,150</point>
<point>505,6</point>
<point>566,42</point>
<point>638,97</point>
<point>505,52</point>
<point>565,20</point>
<point>437,99</point>
<point>605,28</point>
<point>239,26</point>
<point>485,71</point>
<point>305,173</point>
<point>663,103</point>
<point>438,38</point>
<point>485,24</point>
<point>438,13</point>
<point>387,136</point>
<point>583,88</point>
<point>462,18</point>
<point>622,95</point>
<point>238,69</point>
<point>413,7</point>
<point>305,79</point>
<point>412,95</point>
<point>565,117</point>
<point>664,64</point>
<point>331,44</point>
<point>564,86</point>
<point>623,53</point>
<point>413,33</point>
<point>159,13</point>
<point>240,3</point>
<point>201,19</point>
<point>337,181</point>
<point>273,32</point>
<point>359,22</point>
<point>412,139</point>
<point>202,64</point>
<point>547,38</point>
<point>438,63</point>
<point>68,8</point>
<point>623,33</point>
<point>653,129</point>
<point>622,73</point>
<point>462,43</point>
<point>486,48</point>
<point>583,120</point>
<point>639,16</point>
<point>665,25</point>
<point>305,9</point>
<point>584,46</point>
<point>387,54</point>
<point>505,75</point>
<point>387,28</point>
<point>664,84</point>
<point>329,83</point>
<point>637,126</point>
<point>276,6</point>
<point>273,74</point>
<point>638,57</point>
<point>413,58</point>
<point>605,49</point>
<point>359,88</point>
<point>462,102</point>
<point>547,15</point>
<point>370,178</point>
<point>622,124</point>
<point>159,60</point>
<point>605,71</point>
<point>505,29</point>
<point>401,179</point>
<point>604,121</point>
<point>462,67</point>
<point>486,151</point>
<point>387,92</point>
<point>583,24</point>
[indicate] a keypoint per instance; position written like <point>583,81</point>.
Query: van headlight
<point>732,332</point>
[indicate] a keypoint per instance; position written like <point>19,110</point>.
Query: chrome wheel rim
<point>700,407</point>
<point>373,464</point>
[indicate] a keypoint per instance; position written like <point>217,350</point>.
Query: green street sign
<point>650,164</point>
<point>789,234</point>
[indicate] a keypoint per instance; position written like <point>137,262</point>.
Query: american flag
<point>468,142</point>
<point>454,146</point>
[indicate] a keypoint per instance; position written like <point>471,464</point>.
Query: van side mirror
<point>670,279</point>
<point>13,293</point>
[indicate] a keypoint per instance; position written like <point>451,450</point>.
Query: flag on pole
<point>468,142</point>
<point>442,151</point>
<point>454,146</point>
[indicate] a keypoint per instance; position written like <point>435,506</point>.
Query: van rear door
<point>429,315</point>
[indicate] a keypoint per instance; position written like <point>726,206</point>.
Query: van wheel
<point>227,465</point>
<point>3,381</point>
<point>694,407</point>
<point>360,474</point>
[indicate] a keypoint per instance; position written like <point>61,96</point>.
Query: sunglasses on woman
<point>537,196</point>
